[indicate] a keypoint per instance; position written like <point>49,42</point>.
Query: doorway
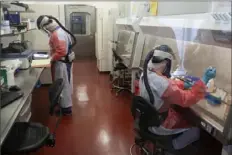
<point>81,21</point>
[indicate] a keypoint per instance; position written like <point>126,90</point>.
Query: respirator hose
<point>145,68</point>
<point>57,21</point>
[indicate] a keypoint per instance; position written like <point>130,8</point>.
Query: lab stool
<point>145,116</point>
<point>27,137</point>
<point>121,82</point>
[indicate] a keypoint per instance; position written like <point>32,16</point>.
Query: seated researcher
<point>167,92</point>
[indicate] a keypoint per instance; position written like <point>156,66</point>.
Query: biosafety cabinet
<point>198,41</point>
<point>137,39</point>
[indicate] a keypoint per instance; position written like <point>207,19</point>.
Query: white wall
<point>104,33</point>
<point>224,6</point>
<point>39,39</point>
<point>182,7</point>
<point>124,8</point>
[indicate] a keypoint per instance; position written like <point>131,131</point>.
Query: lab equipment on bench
<point>26,61</point>
<point>8,69</point>
<point>14,88</point>
<point>5,27</point>
<point>8,76</point>
<point>25,58</point>
<point>29,22</point>
<point>17,47</point>
<point>8,97</point>
<point>14,64</point>
<point>13,17</point>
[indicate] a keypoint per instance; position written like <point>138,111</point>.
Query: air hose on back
<point>146,83</point>
<point>57,21</point>
<point>161,116</point>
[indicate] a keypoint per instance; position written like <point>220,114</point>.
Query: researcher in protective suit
<point>59,42</point>
<point>168,91</point>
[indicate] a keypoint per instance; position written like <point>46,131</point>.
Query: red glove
<point>199,89</point>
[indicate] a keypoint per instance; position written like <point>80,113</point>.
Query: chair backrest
<point>147,115</point>
<point>117,58</point>
<point>54,94</point>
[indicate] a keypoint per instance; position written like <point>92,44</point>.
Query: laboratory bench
<point>210,118</point>
<point>20,110</point>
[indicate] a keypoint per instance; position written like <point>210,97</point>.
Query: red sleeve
<point>184,98</point>
<point>58,47</point>
<point>179,83</point>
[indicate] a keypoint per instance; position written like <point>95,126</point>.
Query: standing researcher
<point>61,57</point>
<point>165,92</point>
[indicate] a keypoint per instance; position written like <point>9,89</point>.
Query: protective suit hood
<point>161,53</point>
<point>46,24</point>
<point>49,23</point>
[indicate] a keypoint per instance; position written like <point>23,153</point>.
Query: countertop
<point>211,114</point>
<point>26,80</point>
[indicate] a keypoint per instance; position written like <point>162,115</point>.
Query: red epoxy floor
<point>101,123</point>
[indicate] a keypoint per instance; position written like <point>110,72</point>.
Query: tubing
<point>145,67</point>
<point>74,39</point>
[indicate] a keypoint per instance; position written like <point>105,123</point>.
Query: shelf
<point>5,5</point>
<point>16,33</point>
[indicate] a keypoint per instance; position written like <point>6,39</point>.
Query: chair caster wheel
<point>51,141</point>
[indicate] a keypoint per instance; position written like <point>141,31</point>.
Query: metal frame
<point>227,132</point>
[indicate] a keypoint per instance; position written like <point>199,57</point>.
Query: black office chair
<point>145,116</point>
<point>120,83</point>
<point>26,137</point>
